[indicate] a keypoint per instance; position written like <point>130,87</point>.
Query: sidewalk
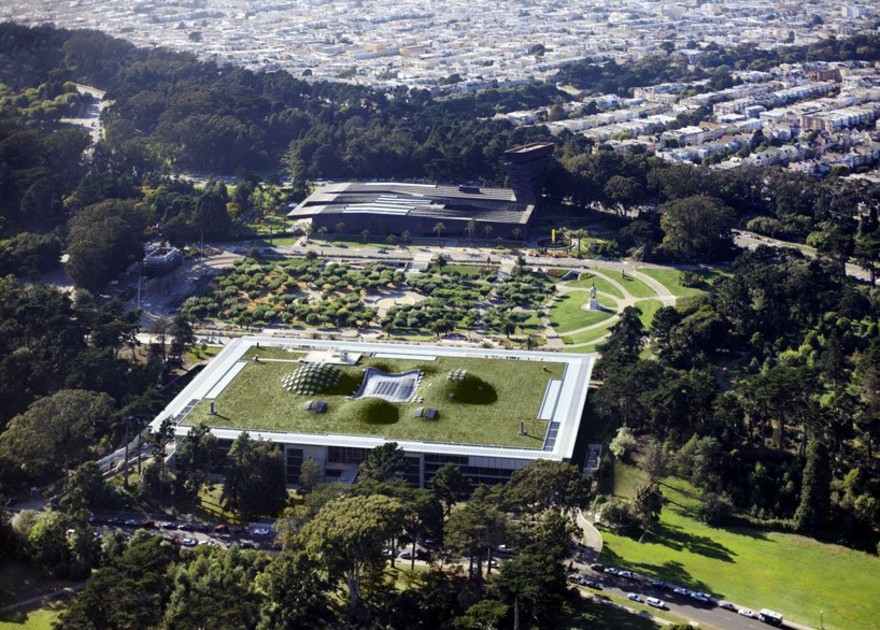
<point>592,537</point>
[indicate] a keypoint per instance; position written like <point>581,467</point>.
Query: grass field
<point>797,576</point>
<point>502,394</point>
<point>648,308</point>
<point>469,271</point>
<point>581,349</point>
<point>633,286</point>
<point>671,279</point>
<point>566,312</point>
<point>585,613</point>
<point>39,619</point>
<point>590,335</point>
<point>588,279</point>
<point>533,322</point>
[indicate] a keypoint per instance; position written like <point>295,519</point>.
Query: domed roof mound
<point>312,378</point>
<point>465,387</point>
<point>375,411</point>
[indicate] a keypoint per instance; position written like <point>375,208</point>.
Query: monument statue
<point>594,299</point>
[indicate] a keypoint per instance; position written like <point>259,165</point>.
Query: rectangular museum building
<point>488,411</point>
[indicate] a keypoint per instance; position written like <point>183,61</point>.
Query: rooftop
<point>401,199</point>
<point>482,397</point>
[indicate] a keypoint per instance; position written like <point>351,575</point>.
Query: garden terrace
<point>294,291</point>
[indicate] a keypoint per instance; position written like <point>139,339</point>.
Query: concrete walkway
<point>592,537</point>
<point>663,294</point>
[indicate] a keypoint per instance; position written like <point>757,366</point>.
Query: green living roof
<point>485,408</point>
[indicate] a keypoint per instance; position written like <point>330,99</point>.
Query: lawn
<point>585,612</point>
<point>469,271</point>
<point>581,349</point>
<point>794,575</point>
<point>532,323</point>
<point>671,279</point>
<point>486,408</point>
<point>648,308</point>
<point>590,335</point>
<point>566,312</point>
<point>329,241</point>
<point>633,286</point>
<point>588,279</point>
<point>39,619</point>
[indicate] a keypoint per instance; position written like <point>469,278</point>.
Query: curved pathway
<point>592,537</point>
<point>663,294</point>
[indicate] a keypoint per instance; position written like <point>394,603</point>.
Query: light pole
<point>821,620</point>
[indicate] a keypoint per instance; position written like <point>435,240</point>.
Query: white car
<point>656,603</point>
<point>188,542</point>
<point>261,531</point>
<point>746,612</point>
<point>634,596</point>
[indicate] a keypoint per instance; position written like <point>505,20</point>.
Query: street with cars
<point>597,581</point>
<point>186,533</point>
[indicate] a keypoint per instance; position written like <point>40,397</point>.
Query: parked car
<point>185,527</point>
<point>597,567</point>
<point>626,574</point>
<point>188,542</point>
<point>727,606</point>
<point>747,612</point>
<point>634,596</point>
<point>656,603</point>
<point>131,522</point>
<point>406,554</point>
<point>262,531</point>
<point>168,525</point>
<point>610,571</point>
<point>703,598</point>
<point>681,591</point>
<point>593,584</point>
<point>658,584</point>
<point>222,528</point>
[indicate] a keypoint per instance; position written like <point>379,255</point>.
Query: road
<point>90,119</point>
<point>705,615</point>
<point>750,240</point>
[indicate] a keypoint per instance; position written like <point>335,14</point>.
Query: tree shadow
<point>670,571</point>
<point>752,532</point>
<point>678,539</point>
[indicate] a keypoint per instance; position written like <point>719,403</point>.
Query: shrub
<point>623,443</point>
<point>715,509</point>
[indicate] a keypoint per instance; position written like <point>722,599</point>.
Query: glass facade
<point>293,464</point>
